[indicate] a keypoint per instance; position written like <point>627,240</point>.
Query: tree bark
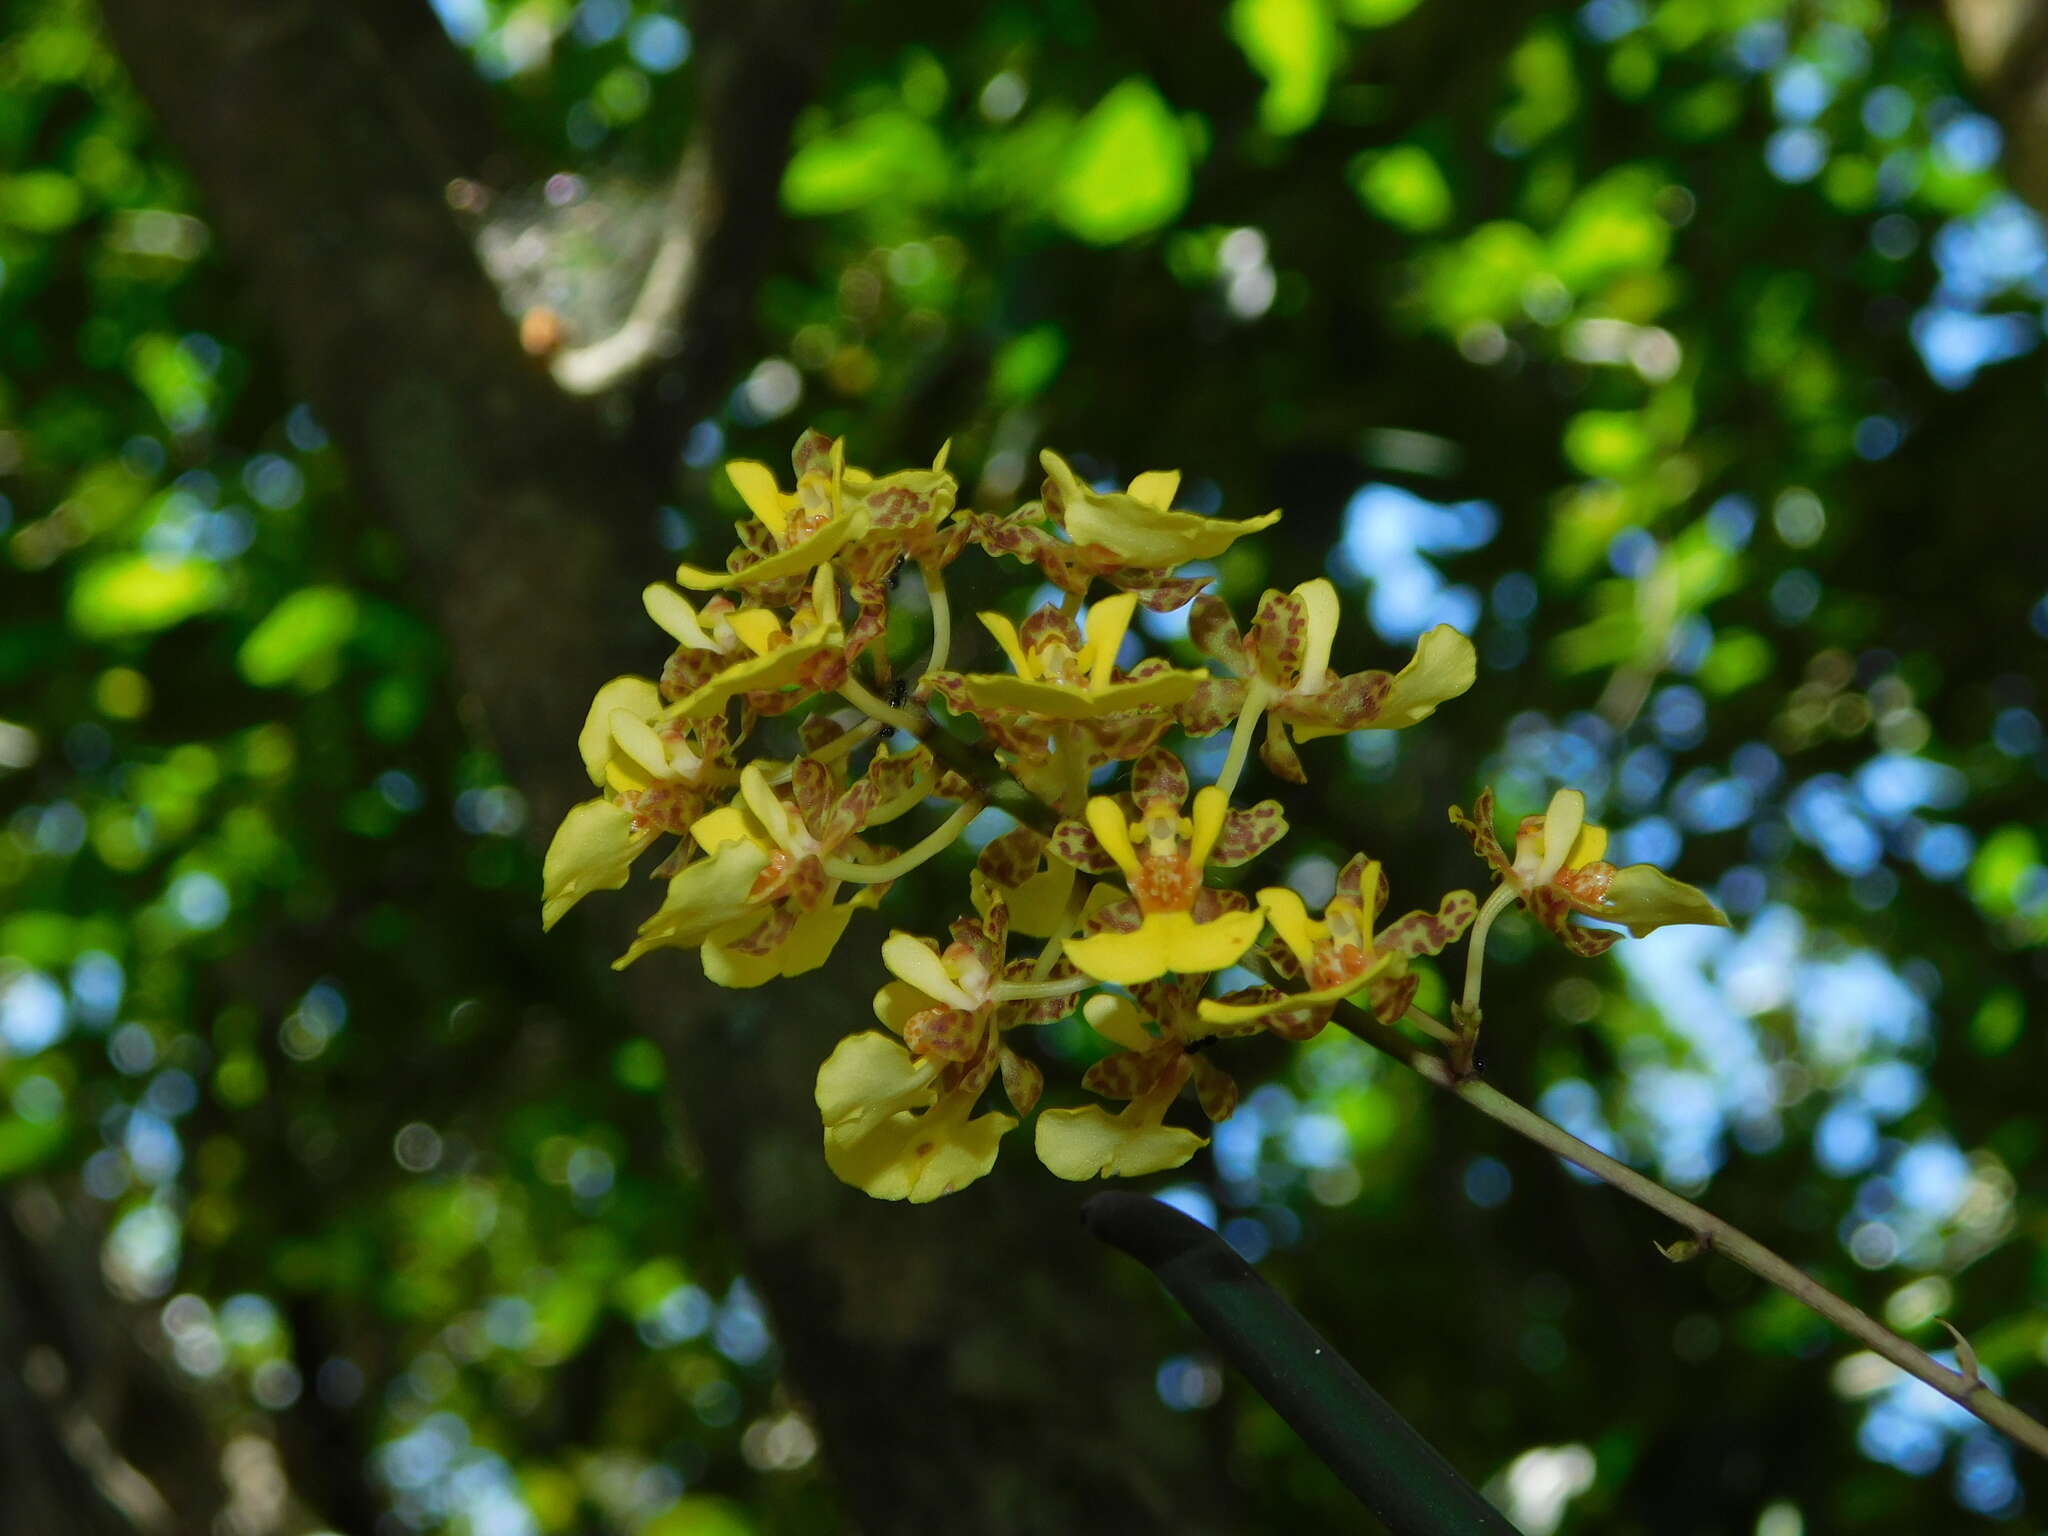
<point>2004,48</point>
<point>976,1366</point>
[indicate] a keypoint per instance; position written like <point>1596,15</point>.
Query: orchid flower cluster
<point>779,748</point>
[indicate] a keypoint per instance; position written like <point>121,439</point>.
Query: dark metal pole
<point>1377,1454</point>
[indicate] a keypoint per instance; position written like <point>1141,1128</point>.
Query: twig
<point>1710,1232</point>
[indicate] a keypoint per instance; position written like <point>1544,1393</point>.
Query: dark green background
<point>1690,348</point>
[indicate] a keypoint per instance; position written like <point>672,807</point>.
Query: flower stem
<point>1026,991</point>
<point>1428,1023</point>
<point>935,842</point>
<point>855,692</point>
<point>1475,945</point>
<point>942,617</point>
<point>1241,740</point>
<point>1711,1232</point>
<point>843,745</point>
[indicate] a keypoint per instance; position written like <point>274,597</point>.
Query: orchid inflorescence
<point>1099,897</point>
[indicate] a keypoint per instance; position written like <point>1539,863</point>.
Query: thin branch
<point>1711,1232</point>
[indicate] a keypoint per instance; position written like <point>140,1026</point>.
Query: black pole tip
<point>1150,1231</point>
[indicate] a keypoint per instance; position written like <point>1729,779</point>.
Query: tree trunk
<point>2004,47</point>
<point>976,1366</point>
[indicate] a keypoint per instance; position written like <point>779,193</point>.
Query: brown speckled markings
<point>923,1341</point>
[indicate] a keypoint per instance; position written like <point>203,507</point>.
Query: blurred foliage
<point>1684,352</point>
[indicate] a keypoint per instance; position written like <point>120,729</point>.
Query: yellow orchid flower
<point>1560,867</point>
<point>1282,671</point>
<point>658,777</point>
<point>1057,674</point>
<point>712,895</point>
<point>899,1112</point>
<point>1150,1071</point>
<point>1340,954</point>
<point>751,651</point>
<point>1173,922</point>
<point>1139,527</point>
<point>906,515</point>
<point>791,533</point>
<point>768,909</point>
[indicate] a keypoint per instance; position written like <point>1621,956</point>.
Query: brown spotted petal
<point>871,622</point>
<point>1211,903</point>
<point>1213,705</point>
<point>951,687</point>
<point>812,454</point>
<point>819,730</point>
<point>1550,907</point>
<point>812,785</point>
<point>996,924</point>
<point>1248,833</point>
<point>767,935</point>
<point>950,1034</point>
<point>1169,1000</point>
<point>1279,959</point>
<point>899,507</point>
<point>1344,704</point>
<point>1215,633</point>
<point>1039,1010</point>
<point>1479,827</point>
<point>806,885</point>
<point>1428,933</point>
<point>1279,639</point>
<point>1297,1024</point>
<point>1045,624</point>
<point>899,782</point>
<point>1161,594</point>
<point>689,669</point>
<point>1276,751</point>
<point>1389,995</point>
<point>1215,1088</point>
<point>1023,1082</point>
<point>1019,536</point>
<point>1075,843</point>
<point>1013,858</point>
<point>1350,884</point>
<point>1122,736</point>
<point>1159,776</point>
<point>975,1075</point>
<point>1115,917</point>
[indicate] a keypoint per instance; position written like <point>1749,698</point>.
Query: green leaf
<point>1547,88</point>
<point>889,155</point>
<point>1126,172</point>
<point>700,1515</point>
<point>177,385</point>
<point>1404,186</point>
<point>1610,445</point>
<point>1375,13</point>
<point>1027,364</point>
<point>28,1144</point>
<point>300,640</point>
<point>1999,1019</point>
<point>1483,277</point>
<point>1739,657</point>
<point>1612,227</point>
<point>2001,867</point>
<point>140,594</point>
<point>1293,43</point>
<point>41,202</point>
